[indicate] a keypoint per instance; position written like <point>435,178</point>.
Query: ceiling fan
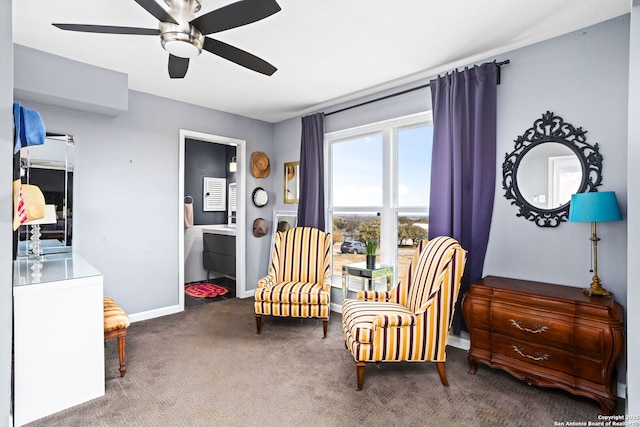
<point>183,35</point>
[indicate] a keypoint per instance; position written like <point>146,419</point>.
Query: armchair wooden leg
<point>360,374</point>
<point>258,323</point>
<point>325,324</point>
<point>443,374</point>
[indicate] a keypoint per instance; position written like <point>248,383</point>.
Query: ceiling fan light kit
<point>180,43</point>
<point>183,35</point>
<point>182,39</point>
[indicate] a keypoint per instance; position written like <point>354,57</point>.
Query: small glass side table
<point>359,269</point>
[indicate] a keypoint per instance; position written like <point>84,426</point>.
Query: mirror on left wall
<point>50,167</point>
<point>291,182</point>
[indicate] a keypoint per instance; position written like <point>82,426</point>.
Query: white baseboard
<point>335,307</point>
<point>462,343</point>
<point>151,314</point>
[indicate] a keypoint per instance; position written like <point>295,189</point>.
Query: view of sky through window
<point>357,169</point>
<point>414,170</point>
<point>357,172</point>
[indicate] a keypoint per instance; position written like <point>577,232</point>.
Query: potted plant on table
<point>370,247</point>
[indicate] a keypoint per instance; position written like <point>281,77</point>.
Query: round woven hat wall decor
<point>260,167</point>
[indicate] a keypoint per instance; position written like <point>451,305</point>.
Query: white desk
<point>58,336</point>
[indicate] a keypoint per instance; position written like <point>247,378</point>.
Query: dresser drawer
<point>590,338</point>
<point>543,357</point>
<point>478,312</point>
<point>539,355</point>
<point>532,325</point>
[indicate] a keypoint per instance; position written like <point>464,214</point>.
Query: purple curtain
<point>311,203</point>
<point>463,169</point>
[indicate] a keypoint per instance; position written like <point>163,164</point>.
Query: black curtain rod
<point>382,98</point>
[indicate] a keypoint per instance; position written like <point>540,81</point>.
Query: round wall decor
<point>260,197</point>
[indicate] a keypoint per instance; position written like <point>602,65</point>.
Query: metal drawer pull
<point>539,328</point>
<point>537,357</point>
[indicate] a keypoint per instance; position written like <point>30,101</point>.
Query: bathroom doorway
<point>190,241</point>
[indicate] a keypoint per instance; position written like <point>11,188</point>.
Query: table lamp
<point>50,217</point>
<point>594,207</point>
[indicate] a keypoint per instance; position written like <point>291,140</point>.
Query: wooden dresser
<point>546,335</point>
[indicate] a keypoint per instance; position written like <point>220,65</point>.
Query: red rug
<point>204,290</point>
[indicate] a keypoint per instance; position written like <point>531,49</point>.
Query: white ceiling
<point>326,51</point>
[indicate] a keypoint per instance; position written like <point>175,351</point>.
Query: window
<point>379,182</point>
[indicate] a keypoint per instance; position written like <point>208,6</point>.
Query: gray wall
<point>6,210</point>
<point>126,192</point>
<point>633,207</point>
<point>73,85</point>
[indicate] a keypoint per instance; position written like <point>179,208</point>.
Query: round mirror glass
<point>548,174</point>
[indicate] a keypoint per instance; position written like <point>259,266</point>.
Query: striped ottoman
<point>116,322</point>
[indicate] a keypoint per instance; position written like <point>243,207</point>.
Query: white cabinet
<point>58,336</point>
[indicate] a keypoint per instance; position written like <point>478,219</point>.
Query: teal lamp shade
<point>594,207</point>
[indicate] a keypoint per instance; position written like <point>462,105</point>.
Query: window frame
<point>389,209</point>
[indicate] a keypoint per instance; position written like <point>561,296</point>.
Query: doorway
<point>240,146</point>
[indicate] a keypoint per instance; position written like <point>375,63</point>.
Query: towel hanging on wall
<point>188,211</point>
<point>29,127</point>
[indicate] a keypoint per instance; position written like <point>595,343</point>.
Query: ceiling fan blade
<point>178,66</point>
<point>238,56</point>
<point>156,10</point>
<point>108,29</point>
<point>235,15</point>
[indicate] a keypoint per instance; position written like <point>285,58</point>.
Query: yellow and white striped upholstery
<point>298,283</point>
<point>411,322</point>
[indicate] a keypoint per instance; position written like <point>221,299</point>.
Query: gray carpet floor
<point>207,366</point>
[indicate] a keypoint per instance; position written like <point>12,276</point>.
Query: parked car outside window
<point>353,248</point>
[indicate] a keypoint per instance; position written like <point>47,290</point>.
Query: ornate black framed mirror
<point>550,162</point>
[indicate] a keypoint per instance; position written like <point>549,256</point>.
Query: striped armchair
<point>411,322</point>
<point>298,283</point>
